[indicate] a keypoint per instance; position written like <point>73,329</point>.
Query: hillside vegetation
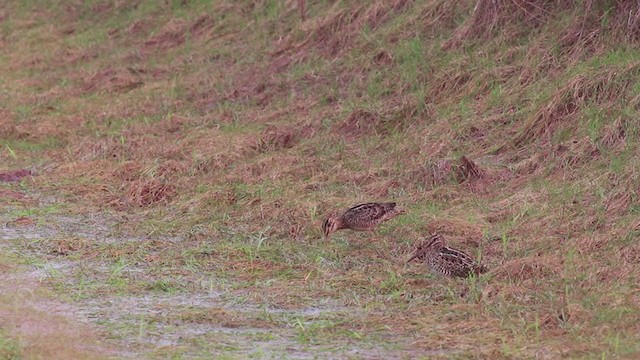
<point>181,149</point>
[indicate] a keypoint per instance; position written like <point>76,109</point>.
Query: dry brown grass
<point>110,80</point>
<point>15,196</point>
<point>583,35</point>
<point>602,89</point>
<point>149,192</point>
<point>332,33</point>
<point>16,175</point>
<point>487,15</point>
<point>274,139</point>
<point>70,245</point>
<point>7,125</point>
<point>481,130</point>
<point>531,268</point>
<point>174,32</point>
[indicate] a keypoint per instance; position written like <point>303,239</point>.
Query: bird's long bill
<point>415,256</point>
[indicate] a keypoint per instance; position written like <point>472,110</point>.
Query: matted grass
<point>190,150</point>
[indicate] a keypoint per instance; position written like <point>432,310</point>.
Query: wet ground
<point>208,319</point>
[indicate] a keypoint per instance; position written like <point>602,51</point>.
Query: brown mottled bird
<point>363,217</point>
<point>445,260</point>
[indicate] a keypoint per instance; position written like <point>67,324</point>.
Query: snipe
<point>446,261</point>
<point>363,217</point>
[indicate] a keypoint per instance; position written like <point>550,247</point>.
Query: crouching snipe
<point>363,217</point>
<point>446,261</point>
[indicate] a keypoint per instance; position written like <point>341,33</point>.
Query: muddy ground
<point>213,320</point>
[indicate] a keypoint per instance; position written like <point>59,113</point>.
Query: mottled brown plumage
<point>444,260</point>
<point>363,217</point>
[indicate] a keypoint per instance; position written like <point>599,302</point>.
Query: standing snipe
<point>363,217</point>
<point>445,260</point>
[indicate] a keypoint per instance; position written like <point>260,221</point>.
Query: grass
<point>192,149</point>
<point>9,349</point>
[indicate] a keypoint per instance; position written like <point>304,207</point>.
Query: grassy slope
<point>239,126</point>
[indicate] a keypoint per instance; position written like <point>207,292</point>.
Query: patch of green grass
<point>16,147</point>
<point>165,285</point>
<point>410,55</point>
<point>9,348</point>
<point>40,211</point>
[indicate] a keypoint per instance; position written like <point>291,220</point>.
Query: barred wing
<point>365,216</point>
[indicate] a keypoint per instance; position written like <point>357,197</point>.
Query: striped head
<point>330,225</point>
<point>432,243</point>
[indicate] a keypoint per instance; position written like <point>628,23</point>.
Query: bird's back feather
<point>367,216</point>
